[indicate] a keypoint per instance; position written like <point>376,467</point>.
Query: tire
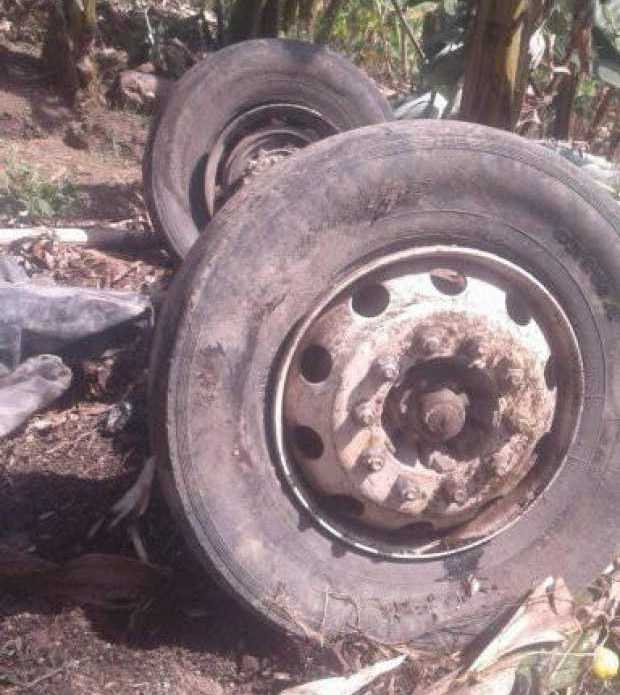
<point>239,295</point>
<point>231,82</point>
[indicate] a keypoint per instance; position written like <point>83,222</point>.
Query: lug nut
<point>410,494</point>
<point>431,344</point>
<point>364,413</point>
<point>515,377</point>
<point>373,459</point>
<point>387,367</point>
<point>455,490</point>
<point>432,341</point>
<point>471,348</point>
<point>510,375</point>
<point>408,491</point>
<point>459,496</point>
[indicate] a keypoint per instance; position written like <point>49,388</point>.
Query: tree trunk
<point>601,111</point>
<point>307,14</point>
<point>245,20</point>
<point>326,24</point>
<point>496,67</point>
<point>564,87</point>
<point>614,144</point>
<point>251,19</point>
<point>563,104</point>
<point>68,45</point>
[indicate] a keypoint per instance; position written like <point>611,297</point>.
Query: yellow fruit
<point>605,663</point>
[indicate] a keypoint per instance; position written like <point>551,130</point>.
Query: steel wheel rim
<point>546,316</point>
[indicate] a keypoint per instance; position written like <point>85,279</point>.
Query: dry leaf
<point>110,581</point>
<point>547,616</point>
<point>347,685</point>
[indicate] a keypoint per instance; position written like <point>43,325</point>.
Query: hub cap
<point>417,396</point>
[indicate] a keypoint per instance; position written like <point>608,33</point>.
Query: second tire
<point>247,106</point>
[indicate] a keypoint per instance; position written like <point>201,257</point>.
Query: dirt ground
<point>62,471</point>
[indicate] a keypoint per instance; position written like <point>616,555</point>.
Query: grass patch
<point>27,193</point>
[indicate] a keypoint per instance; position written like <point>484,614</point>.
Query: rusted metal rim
<point>255,140</point>
<point>427,401</point>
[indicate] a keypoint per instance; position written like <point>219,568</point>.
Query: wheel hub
<point>437,415</point>
<point>256,140</point>
<point>421,393</point>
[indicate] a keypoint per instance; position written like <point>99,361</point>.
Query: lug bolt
<point>409,494</point>
<point>364,413</point>
<point>455,490</point>
<point>471,348</point>
<point>373,459</point>
<point>515,377</point>
<point>387,367</point>
<point>408,491</point>
<point>510,375</point>
<point>432,341</point>
<point>431,344</point>
<point>459,496</point>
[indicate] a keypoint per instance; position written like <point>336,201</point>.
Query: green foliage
<point>372,34</point>
<point>606,36</point>
<point>27,193</point>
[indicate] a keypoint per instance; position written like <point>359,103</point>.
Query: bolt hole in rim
<point>370,300</point>
<point>316,364</point>
<point>308,442</point>
<point>319,418</point>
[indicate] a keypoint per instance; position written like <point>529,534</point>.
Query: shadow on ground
<point>53,514</point>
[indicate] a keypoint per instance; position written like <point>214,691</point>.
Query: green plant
<point>27,192</point>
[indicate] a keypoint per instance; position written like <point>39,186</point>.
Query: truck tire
<point>251,103</point>
<point>476,269</point>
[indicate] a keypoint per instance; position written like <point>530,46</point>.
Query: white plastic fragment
<point>350,684</point>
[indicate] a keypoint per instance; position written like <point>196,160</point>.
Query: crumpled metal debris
<point>41,318</point>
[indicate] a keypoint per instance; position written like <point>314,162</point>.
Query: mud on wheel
<point>235,114</point>
<point>371,390</point>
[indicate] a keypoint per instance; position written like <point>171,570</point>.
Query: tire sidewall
<point>382,189</point>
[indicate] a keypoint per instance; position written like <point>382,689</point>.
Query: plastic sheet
<point>37,319</point>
